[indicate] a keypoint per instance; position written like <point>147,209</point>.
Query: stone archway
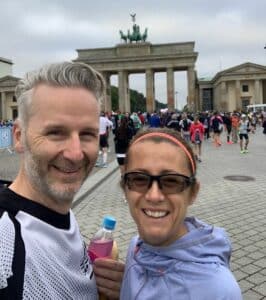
<point>143,57</point>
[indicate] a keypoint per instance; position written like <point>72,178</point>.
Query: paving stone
<point>261,288</point>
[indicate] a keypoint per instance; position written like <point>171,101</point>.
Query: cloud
<point>226,33</point>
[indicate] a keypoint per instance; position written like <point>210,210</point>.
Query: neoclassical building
<point>8,102</point>
<point>233,88</point>
<point>143,57</point>
<point>230,89</point>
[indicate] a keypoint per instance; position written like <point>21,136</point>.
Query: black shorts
<point>120,160</point>
<point>243,136</point>
<point>103,141</point>
<point>216,130</point>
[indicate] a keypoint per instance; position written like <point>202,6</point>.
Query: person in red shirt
<point>235,122</point>
<point>196,134</point>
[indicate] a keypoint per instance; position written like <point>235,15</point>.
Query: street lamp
<point>176,92</point>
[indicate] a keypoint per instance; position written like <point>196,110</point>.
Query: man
<point>105,123</point>
<point>42,254</point>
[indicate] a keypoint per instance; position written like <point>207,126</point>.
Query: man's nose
<point>73,149</point>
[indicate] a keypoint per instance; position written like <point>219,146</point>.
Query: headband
<point>171,138</point>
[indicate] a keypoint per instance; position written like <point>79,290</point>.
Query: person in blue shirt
<point>174,256</point>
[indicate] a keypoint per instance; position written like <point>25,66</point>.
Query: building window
<point>14,113</point>
<point>207,99</point>
<point>245,103</point>
<point>244,88</point>
<point>14,98</point>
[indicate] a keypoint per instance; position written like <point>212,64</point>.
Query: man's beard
<point>61,193</point>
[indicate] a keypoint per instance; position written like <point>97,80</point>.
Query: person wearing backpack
<point>136,122</point>
<point>185,126</point>
<point>197,134</point>
<point>216,125</point>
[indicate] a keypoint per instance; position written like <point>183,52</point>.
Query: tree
<point>137,100</point>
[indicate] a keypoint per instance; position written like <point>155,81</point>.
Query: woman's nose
<point>154,193</point>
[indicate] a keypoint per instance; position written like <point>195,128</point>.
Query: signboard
<point>5,137</point>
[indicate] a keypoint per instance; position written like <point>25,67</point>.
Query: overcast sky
<point>226,33</point>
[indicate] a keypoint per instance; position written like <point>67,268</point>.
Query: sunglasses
<point>168,183</point>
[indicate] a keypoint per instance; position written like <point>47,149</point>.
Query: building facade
<point>233,88</point>
<point>229,90</point>
<point>143,57</point>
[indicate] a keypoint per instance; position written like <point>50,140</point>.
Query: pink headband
<point>171,138</point>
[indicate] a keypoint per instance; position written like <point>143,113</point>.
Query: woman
<point>216,123</point>
<point>123,135</point>
<point>243,129</point>
<point>174,257</point>
<point>197,135</point>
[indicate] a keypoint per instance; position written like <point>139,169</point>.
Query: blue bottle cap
<point>109,222</point>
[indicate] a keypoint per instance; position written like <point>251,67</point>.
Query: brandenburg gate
<point>143,57</point>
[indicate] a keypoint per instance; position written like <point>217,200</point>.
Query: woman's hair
<point>65,74</point>
<point>164,135</point>
<point>121,132</point>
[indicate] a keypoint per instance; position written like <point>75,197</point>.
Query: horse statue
<point>136,35</point>
<point>123,36</point>
<point>145,35</point>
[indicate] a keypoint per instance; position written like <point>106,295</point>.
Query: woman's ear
<point>194,192</point>
<point>17,137</point>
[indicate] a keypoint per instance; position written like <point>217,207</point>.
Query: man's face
<point>60,143</point>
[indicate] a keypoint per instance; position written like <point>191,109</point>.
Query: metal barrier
<point>6,141</point>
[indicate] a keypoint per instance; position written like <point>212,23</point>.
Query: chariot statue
<point>136,35</point>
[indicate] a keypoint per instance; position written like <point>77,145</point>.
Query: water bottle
<point>101,243</point>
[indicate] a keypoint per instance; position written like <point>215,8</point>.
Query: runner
<point>243,133</point>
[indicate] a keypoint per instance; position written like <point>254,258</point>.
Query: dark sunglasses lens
<point>137,182</point>
<point>172,184</point>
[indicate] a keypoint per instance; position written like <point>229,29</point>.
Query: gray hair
<point>64,74</point>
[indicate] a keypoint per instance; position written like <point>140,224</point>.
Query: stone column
<point>224,101</point>
<point>107,102</point>
<point>191,88</point>
<point>238,103</point>
<point>124,103</point>
<point>201,99</point>
<point>257,93</point>
<point>150,90</point>
<point>170,89</point>
<point>3,106</point>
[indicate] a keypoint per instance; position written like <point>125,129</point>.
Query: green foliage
<point>137,100</point>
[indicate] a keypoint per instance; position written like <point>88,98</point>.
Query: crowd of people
<point>193,127</point>
<point>57,136</point>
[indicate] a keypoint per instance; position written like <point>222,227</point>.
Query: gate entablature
<point>143,57</point>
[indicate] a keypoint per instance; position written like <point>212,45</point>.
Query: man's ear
<point>17,137</point>
<point>194,192</point>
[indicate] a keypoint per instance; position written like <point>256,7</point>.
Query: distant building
<point>230,89</point>
<point>5,67</point>
<point>8,101</point>
<point>233,88</point>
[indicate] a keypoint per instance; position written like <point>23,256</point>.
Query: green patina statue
<point>136,35</point>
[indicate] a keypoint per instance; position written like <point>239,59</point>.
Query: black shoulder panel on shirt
<point>16,282</point>
<point>14,290</point>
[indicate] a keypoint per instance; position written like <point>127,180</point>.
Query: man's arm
<point>109,274</point>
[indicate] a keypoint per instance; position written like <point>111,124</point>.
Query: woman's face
<point>159,216</point>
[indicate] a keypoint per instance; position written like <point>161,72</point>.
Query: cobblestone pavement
<point>238,206</point>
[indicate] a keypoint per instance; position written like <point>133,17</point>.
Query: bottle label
<point>100,248</point>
